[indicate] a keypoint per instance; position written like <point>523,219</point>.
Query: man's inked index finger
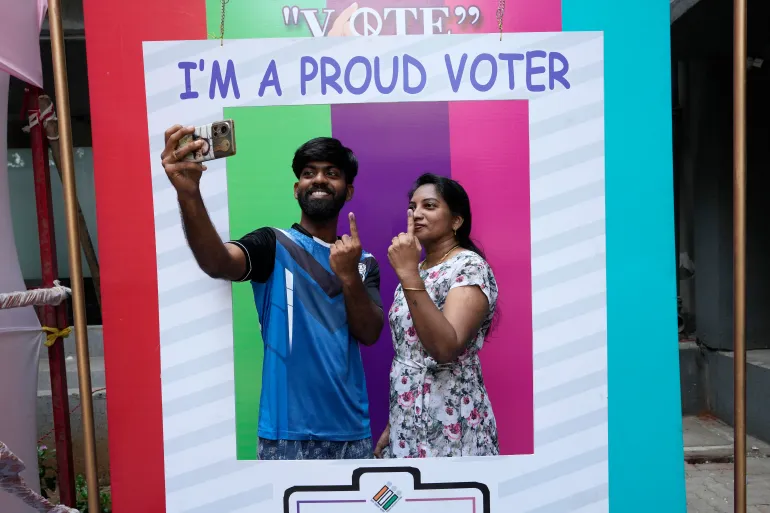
<point>353,226</point>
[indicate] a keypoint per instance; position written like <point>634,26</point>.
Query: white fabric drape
<point>19,45</point>
<point>20,340</point>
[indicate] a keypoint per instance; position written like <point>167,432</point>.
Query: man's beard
<point>321,209</point>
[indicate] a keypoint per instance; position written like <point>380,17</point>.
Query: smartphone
<point>218,141</point>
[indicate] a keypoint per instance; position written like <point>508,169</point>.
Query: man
<point>317,296</point>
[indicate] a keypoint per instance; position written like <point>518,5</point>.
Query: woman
<point>441,313</point>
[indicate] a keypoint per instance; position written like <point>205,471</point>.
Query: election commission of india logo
<point>386,497</point>
<point>388,489</point>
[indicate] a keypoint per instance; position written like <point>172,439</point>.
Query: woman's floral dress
<point>441,409</point>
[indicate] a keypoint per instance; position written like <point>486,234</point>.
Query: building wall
<point>24,215</point>
<point>701,42</point>
<point>707,155</point>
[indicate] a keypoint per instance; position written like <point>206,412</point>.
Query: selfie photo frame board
<point>197,366</point>
<point>639,236</point>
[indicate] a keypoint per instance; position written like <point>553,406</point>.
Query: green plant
<point>81,496</point>
<point>46,470</point>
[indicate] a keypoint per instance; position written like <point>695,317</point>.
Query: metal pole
<point>739,248</point>
<point>73,247</point>
<point>50,315</point>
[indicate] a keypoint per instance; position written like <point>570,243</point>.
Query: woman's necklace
<point>442,258</point>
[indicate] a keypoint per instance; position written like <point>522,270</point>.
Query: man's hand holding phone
<point>184,175</point>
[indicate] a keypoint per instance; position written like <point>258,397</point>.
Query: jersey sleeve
<point>259,248</point>
<point>372,280</point>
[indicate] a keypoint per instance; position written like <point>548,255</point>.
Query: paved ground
<point>709,468</point>
<point>710,487</point>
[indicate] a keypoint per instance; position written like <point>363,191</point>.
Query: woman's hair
<point>459,204</point>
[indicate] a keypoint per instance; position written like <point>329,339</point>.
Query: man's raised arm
<point>215,258</point>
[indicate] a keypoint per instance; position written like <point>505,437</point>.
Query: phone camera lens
<point>221,130</point>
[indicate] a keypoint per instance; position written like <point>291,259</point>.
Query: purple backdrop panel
<point>395,143</point>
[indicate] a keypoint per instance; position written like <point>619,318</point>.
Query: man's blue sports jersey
<point>313,385</point>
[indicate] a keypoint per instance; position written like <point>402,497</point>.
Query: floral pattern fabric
<point>441,409</point>
<point>314,449</point>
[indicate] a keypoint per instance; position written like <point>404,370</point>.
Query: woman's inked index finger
<point>409,222</point>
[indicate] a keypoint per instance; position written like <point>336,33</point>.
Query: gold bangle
<point>407,288</point>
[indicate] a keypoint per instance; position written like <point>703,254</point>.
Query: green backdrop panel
<point>257,18</point>
<point>259,185</point>
<point>259,181</point>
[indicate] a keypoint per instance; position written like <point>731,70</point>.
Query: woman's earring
<point>455,232</point>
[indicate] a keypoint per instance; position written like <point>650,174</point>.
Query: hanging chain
<point>222,24</point>
<point>500,12</point>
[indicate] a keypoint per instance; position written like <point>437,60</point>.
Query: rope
<point>54,334</point>
<point>35,297</point>
<point>500,14</point>
<point>10,481</point>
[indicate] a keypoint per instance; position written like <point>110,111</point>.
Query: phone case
<point>219,141</point>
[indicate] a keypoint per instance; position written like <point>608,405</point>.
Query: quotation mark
<point>290,15</point>
<point>470,14</point>
<point>463,14</point>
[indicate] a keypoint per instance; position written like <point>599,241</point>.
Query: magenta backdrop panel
<point>490,158</point>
